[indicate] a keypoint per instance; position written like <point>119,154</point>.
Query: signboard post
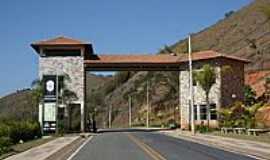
<point>50,103</point>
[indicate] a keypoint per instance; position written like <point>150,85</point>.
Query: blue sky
<point>119,26</point>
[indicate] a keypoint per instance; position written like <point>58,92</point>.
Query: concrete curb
<point>243,150</point>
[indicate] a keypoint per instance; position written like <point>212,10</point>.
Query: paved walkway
<point>44,151</point>
<point>246,147</point>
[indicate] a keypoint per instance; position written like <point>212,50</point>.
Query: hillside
<point>18,105</point>
<point>94,81</point>
<point>244,33</point>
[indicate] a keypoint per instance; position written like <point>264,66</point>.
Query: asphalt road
<point>148,146</point>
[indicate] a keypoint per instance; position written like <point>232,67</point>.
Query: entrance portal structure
<point>59,57</point>
<point>64,56</point>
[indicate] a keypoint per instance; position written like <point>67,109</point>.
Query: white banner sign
<point>49,112</point>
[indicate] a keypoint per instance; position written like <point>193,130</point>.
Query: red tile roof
<point>133,59</point>
<point>60,41</point>
<point>164,58</point>
<point>64,41</point>
<point>256,79</point>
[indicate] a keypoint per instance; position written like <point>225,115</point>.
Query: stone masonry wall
<point>229,82</point>
<point>73,66</point>
<point>232,83</point>
<point>199,95</point>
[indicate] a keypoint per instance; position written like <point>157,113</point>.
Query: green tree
<point>250,96</point>
<point>206,78</point>
<point>229,14</point>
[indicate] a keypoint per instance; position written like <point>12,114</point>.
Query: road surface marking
<point>78,149</point>
<point>146,148</point>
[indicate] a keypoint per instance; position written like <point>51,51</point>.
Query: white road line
<point>76,152</point>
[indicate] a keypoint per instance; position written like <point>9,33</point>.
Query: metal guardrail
<point>250,131</point>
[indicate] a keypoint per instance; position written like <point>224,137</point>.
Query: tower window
<point>61,52</point>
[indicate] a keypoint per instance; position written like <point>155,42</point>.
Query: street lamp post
<point>179,96</point>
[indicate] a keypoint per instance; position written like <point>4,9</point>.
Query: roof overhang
<point>62,43</point>
<point>151,62</point>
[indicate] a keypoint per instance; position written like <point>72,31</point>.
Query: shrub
<point>11,132</point>
<point>225,117</point>
<point>4,130</point>
<point>172,124</point>
<point>239,115</point>
<point>5,144</point>
<point>202,128</point>
<point>23,130</point>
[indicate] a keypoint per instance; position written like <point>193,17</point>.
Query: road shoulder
<point>248,148</point>
<point>53,150</point>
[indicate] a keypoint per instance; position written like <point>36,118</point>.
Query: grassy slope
<point>232,35</point>
<point>17,105</point>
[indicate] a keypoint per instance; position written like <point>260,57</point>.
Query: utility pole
<point>110,116</point>
<point>147,103</point>
<point>191,85</point>
<point>129,110</point>
<point>179,96</point>
<point>56,106</point>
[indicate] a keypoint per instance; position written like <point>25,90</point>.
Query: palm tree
<point>37,93</point>
<point>67,97</point>
<point>206,79</point>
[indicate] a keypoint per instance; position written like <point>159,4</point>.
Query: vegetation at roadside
<point>13,132</point>
<point>239,115</point>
